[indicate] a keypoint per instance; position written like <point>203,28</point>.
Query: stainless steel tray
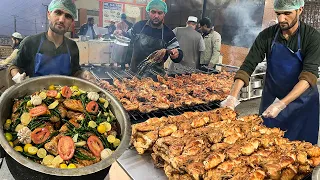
<point>141,167</point>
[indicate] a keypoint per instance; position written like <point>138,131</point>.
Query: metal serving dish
<point>35,84</point>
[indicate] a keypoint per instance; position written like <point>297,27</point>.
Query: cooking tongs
<point>154,58</point>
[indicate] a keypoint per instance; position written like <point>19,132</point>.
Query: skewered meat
<point>147,95</point>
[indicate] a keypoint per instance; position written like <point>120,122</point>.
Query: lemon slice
<point>51,87</point>
<point>25,148</point>
<point>58,95</point>
<point>116,143</point>
<point>111,139</point>
<point>54,104</point>
<point>42,153</point>
<point>102,100</point>
<point>18,148</point>
<point>101,129</point>
<point>43,95</point>
<point>63,166</point>
<point>107,125</point>
<point>92,124</point>
<point>32,150</point>
<point>72,166</point>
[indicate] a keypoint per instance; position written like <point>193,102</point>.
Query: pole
<point>204,8</point>
<point>46,6</point>
<point>15,22</point>
<point>35,25</point>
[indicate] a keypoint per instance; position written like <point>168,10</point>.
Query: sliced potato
<point>47,160</point>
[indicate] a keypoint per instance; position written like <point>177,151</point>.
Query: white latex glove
<point>18,78</point>
<point>274,109</point>
<point>230,102</point>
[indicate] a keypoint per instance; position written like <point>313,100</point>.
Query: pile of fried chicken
<point>216,145</point>
<point>146,95</point>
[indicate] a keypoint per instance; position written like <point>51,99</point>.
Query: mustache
<point>284,23</point>
<point>60,24</point>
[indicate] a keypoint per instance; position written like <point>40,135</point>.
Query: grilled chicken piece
<point>52,145</point>
<point>157,160</point>
<point>62,110</point>
<point>273,170</point>
<point>143,142</point>
<point>74,105</point>
<point>54,119</point>
<point>196,170</point>
<point>257,175</point>
<point>168,130</point>
<point>75,115</point>
<point>213,160</point>
<point>302,157</point>
<point>289,173</point>
<point>199,122</point>
<point>128,105</point>
<point>314,151</point>
<point>64,128</point>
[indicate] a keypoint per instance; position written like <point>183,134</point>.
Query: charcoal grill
<point>110,73</point>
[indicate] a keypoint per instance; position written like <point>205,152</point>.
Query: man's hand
<point>174,53</point>
<point>88,76</point>
<point>117,32</point>
<point>18,78</point>
<point>230,102</point>
<point>274,109</point>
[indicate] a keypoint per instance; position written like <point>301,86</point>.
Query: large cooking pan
<point>35,84</point>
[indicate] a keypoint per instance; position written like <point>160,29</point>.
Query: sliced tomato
<point>92,107</point>
<point>40,135</point>
<point>95,145</point>
<point>52,93</point>
<point>66,92</point>
<point>66,147</point>
<point>38,111</point>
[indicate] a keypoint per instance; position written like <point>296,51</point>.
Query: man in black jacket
<point>87,29</point>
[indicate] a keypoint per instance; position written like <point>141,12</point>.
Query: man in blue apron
<point>290,97</point>
<point>148,36</point>
<point>50,52</point>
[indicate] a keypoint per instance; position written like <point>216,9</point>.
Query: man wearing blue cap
<point>50,52</point>
<point>290,97</point>
<point>151,35</point>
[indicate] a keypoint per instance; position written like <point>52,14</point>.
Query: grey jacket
<point>191,43</point>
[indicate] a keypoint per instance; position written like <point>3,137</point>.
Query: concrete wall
<point>87,4</point>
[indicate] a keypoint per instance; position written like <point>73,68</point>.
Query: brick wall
<point>5,51</point>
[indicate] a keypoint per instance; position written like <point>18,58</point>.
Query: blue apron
<point>300,119</point>
<point>46,65</point>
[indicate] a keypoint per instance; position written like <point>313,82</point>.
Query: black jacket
<point>84,29</point>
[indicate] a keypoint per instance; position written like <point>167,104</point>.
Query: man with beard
<point>290,99</point>
<point>150,35</point>
<point>16,40</point>
<point>50,52</point>
<point>87,29</point>
<point>212,40</point>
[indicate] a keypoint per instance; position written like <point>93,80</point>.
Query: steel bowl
<point>35,84</point>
